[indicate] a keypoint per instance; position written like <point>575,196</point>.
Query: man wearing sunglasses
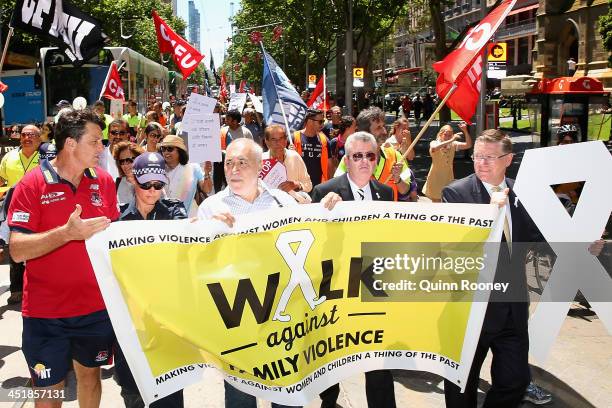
<point>117,133</point>
<point>14,165</point>
<point>357,185</point>
<point>312,144</point>
<point>390,168</point>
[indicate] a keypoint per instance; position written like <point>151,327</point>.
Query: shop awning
<point>568,85</point>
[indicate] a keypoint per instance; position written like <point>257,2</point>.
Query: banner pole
<point>424,128</point>
<point>5,50</point>
<point>324,94</point>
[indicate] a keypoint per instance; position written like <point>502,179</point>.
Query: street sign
<point>496,70</point>
<point>497,52</point>
<point>312,81</point>
<point>358,77</point>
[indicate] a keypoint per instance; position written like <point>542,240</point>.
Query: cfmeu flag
<point>184,55</point>
<point>319,99</point>
<point>463,66</point>
<point>79,35</point>
<point>281,102</point>
<point>113,89</point>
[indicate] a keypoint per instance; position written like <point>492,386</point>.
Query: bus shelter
<point>581,101</point>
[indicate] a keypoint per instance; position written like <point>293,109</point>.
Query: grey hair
<point>364,137</point>
<point>367,116</point>
<point>255,149</point>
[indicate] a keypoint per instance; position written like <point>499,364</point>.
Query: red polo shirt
<point>61,283</point>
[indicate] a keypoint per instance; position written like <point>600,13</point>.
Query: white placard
<point>256,103</point>
<point>273,172</point>
<point>237,101</point>
<point>201,134</point>
<point>200,104</point>
<point>116,108</point>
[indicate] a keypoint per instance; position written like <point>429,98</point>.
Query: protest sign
<point>201,134</point>
<point>273,172</point>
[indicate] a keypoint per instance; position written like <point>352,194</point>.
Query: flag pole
<point>324,94</point>
<point>106,80</point>
<point>424,128</point>
<point>277,96</point>
<point>5,50</point>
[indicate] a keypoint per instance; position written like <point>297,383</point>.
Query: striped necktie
<point>361,194</point>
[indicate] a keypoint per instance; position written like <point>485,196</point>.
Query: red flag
<point>185,56</point>
<point>3,87</point>
<point>463,66</point>
<point>113,88</point>
<point>317,99</point>
<point>223,96</point>
<point>242,86</point>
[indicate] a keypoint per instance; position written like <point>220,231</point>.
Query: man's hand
<point>396,170</point>
<point>225,217</point>
<point>499,198</point>
<point>78,229</point>
<point>596,247</point>
<point>463,126</point>
<point>289,185</point>
<point>330,200</point>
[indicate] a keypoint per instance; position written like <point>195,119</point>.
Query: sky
<point>214,25</point>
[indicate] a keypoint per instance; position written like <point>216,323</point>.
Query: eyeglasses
<point>241,163</point>
<point>117,132</point>
<point>360,156</point>
<point>28,134</point>
<point>155,135</point>
<point>157,185</point>
<point>487,159</point>
<point>169,149</point>
<point>127,160</point>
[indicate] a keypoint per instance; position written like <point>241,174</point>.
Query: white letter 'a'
<point>579,270</point>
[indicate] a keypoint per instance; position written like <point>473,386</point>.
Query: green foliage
<point>605,30</point>
<point>136,16</point>
<point>313,33</point>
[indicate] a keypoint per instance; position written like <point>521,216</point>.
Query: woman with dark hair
<point>125,153</point>
<point>46,132</point>
<point>184,178</point>
<point>347,127</point>
<point>153,133</point>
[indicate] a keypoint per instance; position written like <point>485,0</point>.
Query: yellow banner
<point>287,303</point>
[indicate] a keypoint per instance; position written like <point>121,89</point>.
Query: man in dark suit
<point>504,329</point>
<point>357,185</point>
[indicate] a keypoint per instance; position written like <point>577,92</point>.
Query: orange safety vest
<point>297,141</point>
<point>386,171</point>
<point>224,141</point>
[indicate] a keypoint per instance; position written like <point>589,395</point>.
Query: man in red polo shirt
<point>54,209</point>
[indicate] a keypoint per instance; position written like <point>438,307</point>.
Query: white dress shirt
<point>366,190</point>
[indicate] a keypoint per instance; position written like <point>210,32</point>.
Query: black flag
<point>80,36</point>
<point>212,68</point>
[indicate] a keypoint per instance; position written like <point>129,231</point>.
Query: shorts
<point>49,345</point>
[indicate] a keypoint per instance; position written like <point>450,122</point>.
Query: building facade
<point>194,25</point>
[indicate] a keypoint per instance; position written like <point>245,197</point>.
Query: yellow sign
<point>497,52</point>
<point>318,305</point>
<point>358,73</point>
<point>312,79</point>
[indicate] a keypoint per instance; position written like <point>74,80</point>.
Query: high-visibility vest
<point>224,136</point>
<point>386,171</point>
<point>297,141</point>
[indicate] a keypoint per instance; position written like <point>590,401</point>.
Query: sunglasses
<point>118,132</point>
<point>167,149</point>
<point>359,156</point>
<point>28,134</point>
<point>157,185</point>
<point>127,160</point>
<point>155,135</point>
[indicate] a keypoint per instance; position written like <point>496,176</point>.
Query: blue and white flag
<point>276,88</point>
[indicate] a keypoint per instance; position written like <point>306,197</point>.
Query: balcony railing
<point>520,28</point>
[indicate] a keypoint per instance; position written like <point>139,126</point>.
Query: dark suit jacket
<point>509,268</point>
<point>341,186</point>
